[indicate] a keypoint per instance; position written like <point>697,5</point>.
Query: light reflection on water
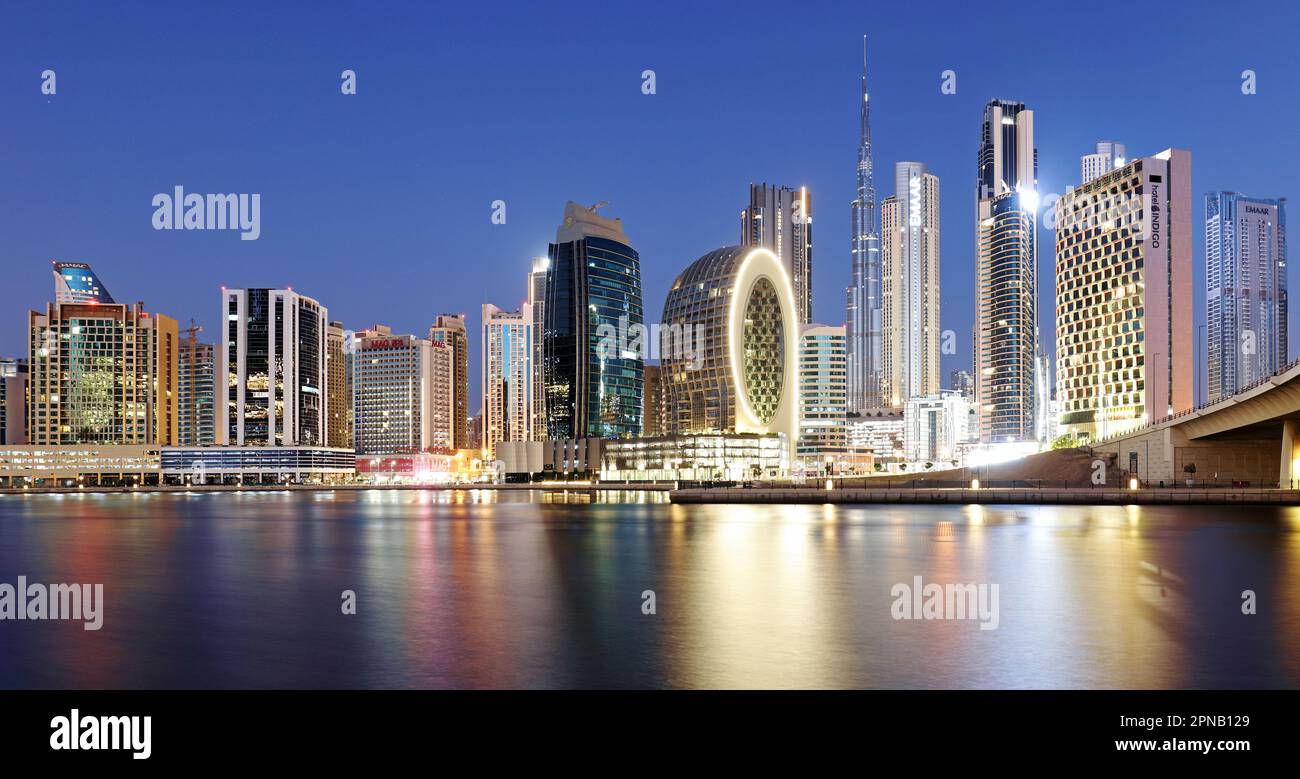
<point>478,588</point>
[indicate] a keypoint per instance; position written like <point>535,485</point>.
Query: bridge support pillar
<point>1287,476</point>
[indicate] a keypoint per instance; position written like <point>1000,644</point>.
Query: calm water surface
<point>483,589</point>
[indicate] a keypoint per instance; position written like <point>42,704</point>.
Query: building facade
<point>747,381</point>
<point>823,393</point>
<point>507,376</point>
<point>393,391</point>
<point>197,392</point>
<point>449,330</point>
<point>652,412</point>
<point>881,433</point>
<point>909,267</point>
<point>780,219</point>
<point>13,401</point>
<point>76,282</point>
<point>1109,156</point>
<point>275,366</point>
<point>1124,298</point>
<point>338,398</point>
<point>537,301</point>
<point>103,374</point>
<point>1006,276</point>
<point>863,295</point>
<point>934,426</point>
<point>1246,291</point>
<point>593,287</point>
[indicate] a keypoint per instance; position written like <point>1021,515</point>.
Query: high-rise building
<point>909,272</point>
<point>780,219</point>
<point>933,427</point>
<point>1006,276</point>
<point>197,391</point>
<point>537,300</point>
<point>13,401</point>
<point>507,375</point>
<point>274,356</point>
<point>102,373</point>
<point>747,381</point>
<point>442,393</point>
<point>395,390</point>
<point>449,329</point>
<point>652,423</point>
<point>593,288</point>
<point>338,398</point>
<point>1124,297</point>
<point>823,393</point>
<point>863,309</point>
<point>1109,156</point>
<point>963,383</point>
<point>1245,300</point>
<point>75,282</point>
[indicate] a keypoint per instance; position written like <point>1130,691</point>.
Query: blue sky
<point>378,204</point>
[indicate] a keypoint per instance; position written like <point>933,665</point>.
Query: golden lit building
<point>103,373</point>
<point>1124,297</point>
<point>338,393</point>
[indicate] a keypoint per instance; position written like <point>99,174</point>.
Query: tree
<point>1063,441</point>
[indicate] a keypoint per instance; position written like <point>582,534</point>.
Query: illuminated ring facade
<point>746,380</point>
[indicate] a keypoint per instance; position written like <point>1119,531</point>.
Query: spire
<point>866,100</point>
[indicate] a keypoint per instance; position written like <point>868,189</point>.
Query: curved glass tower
<point>593,285</point>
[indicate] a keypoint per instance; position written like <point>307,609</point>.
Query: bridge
<point>1252,437</point>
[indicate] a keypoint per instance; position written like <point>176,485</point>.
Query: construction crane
<point>193,330</point>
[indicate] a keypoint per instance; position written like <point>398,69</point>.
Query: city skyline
<point>331,259</point>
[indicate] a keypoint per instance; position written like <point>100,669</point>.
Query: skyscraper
<point>1124,297</point>
<point>197,391</point>
<point>1006,276</point>
<point>537,300</point>
<point>449,329</point>
<point>338,398</point>
<point>593,287</point>
<point>823,393</point>
<point>780,219</point>
<point>1246,290</point>
<point>102,373</point>
<point>507,375</point>
<point>909,230</point>
<point>13,401</point>
<point>274,358</point>
<point>863,311</point>
<point>397,381</point>
<point>1108,157</point>
<point>652,406</point>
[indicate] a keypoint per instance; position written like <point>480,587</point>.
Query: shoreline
<point>1063,496</point>
<point>1060,496</point>
<point>226,488</point>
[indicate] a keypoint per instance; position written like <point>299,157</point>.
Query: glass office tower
<point>594,280</point>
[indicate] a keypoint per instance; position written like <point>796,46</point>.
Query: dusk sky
<point>379,204</point>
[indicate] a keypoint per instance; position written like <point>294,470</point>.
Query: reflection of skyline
<point>509,590</point>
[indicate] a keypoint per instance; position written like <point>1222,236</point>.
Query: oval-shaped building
<point>739,303</point>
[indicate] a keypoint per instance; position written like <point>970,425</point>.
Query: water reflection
<point>478,588</point>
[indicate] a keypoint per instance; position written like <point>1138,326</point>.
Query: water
<point>483,589</point>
